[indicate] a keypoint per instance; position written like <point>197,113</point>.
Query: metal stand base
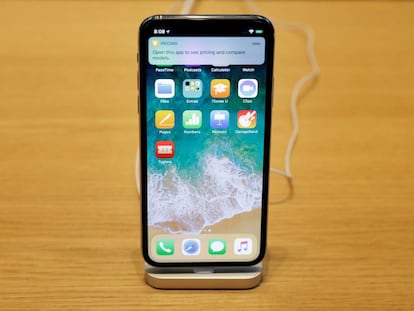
<point>204,277</point>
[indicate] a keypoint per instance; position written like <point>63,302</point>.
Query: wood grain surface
<point>69,211</point>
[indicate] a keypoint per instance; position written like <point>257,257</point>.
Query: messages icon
<point>217,246</point>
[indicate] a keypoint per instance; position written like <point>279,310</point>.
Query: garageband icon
<point>243,246</point>
<point>246,119</point>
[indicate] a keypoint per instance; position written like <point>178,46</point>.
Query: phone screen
<point>205,104</point>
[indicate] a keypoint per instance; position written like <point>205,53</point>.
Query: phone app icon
<point>191,246</point>
<point>246,119</point>
<point>217,246</point>
<point>220,88</point>
<point>192,119</point>
<point>247,88</point>
<point>219,119</point>
<point>192,88</point>
<point>164,88</point>
<point>164,149</point>
<point>243,246</point>
<point>164,119</point>
<point>165,247</point>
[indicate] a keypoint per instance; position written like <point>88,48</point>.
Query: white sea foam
<point>224,190</point>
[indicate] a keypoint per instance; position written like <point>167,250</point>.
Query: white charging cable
<point>314,74</point>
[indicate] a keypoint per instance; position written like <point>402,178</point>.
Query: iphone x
<point>205,92</point>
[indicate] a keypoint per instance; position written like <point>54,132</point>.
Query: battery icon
<point>259,31</point>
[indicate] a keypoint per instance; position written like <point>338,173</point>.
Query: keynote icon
<point>219,119</point>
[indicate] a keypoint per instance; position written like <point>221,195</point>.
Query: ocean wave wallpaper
<point>213,166</point>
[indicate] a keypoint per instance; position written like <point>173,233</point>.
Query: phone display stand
<point>204,277</point>
<point>241,277</point>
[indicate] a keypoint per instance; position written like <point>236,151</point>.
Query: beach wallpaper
<point>212,168</point>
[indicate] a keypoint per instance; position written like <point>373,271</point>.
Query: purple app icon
<point>219,119</point>
<point>247,88</point>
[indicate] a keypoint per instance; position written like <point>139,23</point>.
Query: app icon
<point>155,43</point>
<point>246,119</point>
<point>243,246</point>
<point>164,88</point>
<point>164,119</point>
<point>247,88</point>
<point>164,149</point>
<point>191,246</point>
<point>220,88</point>
<point>192,88</point>
<point>217,247</point>
<point>192,119</point>
<point>165,247</point>
<point>219,119</point>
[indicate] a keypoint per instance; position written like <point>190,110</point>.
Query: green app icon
<point>217,247</point>
<point>192,119</point>
<point>165,247</point>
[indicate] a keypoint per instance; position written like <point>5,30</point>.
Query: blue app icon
<point>191,246</point>
<point>164,88</point>
<point>219,119</point>
<point>192,88</point>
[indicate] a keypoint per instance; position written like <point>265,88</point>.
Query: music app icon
<point>243,246</point>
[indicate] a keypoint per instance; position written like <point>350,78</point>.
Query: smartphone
<point>205,99</point>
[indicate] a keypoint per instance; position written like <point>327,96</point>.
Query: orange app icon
<point>246,119</point>
<point>220,88</point>
<point>164,119</point>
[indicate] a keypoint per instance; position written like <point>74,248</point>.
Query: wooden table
<point>69,211</point>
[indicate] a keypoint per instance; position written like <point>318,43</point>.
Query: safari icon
<point>217,246</point>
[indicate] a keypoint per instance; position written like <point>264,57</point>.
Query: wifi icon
<point>251,31</point>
